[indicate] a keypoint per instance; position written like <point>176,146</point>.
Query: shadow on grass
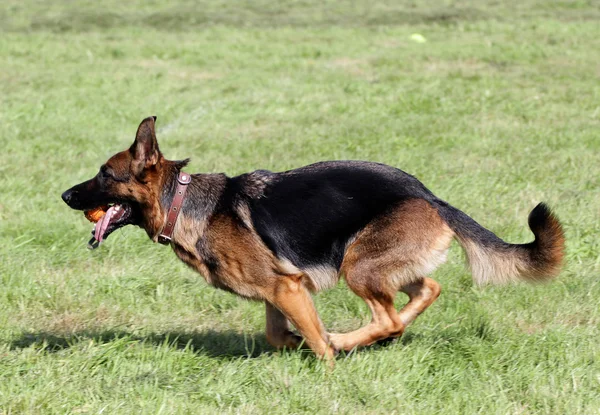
<point>222,344</point>
<point>218,344</point>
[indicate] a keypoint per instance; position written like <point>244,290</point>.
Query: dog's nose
<point>66,196</point>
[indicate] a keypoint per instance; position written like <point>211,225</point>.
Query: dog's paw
<point>286,339</point>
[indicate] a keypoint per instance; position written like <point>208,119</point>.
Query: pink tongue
<point>113,213</point>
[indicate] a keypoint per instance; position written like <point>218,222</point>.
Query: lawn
<point>498,109</point>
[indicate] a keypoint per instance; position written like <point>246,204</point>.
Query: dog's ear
<point>144,149</point>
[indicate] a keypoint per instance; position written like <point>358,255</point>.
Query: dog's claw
<point>93,243</point>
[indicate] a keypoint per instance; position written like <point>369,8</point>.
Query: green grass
<point>497,111</point>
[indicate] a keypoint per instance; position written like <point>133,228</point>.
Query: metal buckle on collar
<point>164,240</point>
<point>184,178</point>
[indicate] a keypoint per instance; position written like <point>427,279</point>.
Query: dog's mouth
<point>117,216</point>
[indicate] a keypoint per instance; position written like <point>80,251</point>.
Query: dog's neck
<point>201,198</point>
<point>168,187</point>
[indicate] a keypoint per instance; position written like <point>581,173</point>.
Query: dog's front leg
<point>294,301</point>
<point>279,334</point>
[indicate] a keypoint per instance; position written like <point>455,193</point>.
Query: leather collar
<point>182,183</point>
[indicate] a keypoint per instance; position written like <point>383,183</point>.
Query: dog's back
<point>308,215</point>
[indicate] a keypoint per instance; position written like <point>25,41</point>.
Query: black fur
<point>539,221</point>
<point>464,225</point>
<point>307,215</point>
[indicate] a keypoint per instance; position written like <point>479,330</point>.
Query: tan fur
<point>186,233</point>
<point>148,196</point>
<point>488,266</point>
<point>401,247</point>
<point>394,252</point>
<point>554,247</point>
<point>278,330</point>
<point>286,267</point>
<point>245,264</point>
<point>317,278</point>
<point>321,277</point>
<point>518,262</point>
<point>421,295</point>
<point>386,322</point>
<point>244,214</point>
<point>292,298</point>
<point>249,269</point>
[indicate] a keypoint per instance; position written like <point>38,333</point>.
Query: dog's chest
<point>233,261</point>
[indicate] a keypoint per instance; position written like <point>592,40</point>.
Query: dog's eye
<point>105,174</point>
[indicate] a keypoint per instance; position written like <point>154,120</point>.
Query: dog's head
<point>130,182</point>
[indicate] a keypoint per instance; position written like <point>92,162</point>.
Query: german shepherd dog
<point>278,237</point>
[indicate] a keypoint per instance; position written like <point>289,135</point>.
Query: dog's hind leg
<point>279,334</point>
<point>394,253</point>
<point>421,295</point>
<point>385,323</point>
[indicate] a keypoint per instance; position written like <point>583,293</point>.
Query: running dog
<point>278,237</point>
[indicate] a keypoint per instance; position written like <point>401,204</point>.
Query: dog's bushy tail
<point>494,261</point>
